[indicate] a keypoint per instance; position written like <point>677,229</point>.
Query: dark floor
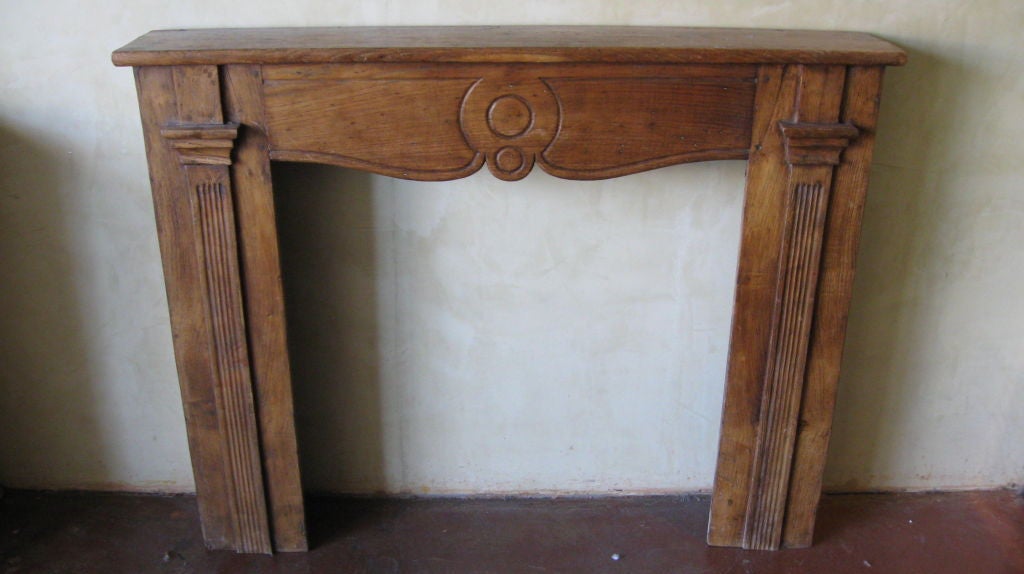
<point>977,532</point>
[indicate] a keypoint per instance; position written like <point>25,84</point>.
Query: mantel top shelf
<point>507,44</point>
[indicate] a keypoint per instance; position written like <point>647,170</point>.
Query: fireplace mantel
<point>439,103</point>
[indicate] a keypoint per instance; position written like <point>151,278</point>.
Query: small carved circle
<point>508,159</point>
<point>509,116</point>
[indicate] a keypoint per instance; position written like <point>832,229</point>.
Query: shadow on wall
<point>49,425</point>
<point>895,310</point>
<point>329,261</point>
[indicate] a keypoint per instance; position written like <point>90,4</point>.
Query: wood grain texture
<point>188,144</point>
<point>812,140</point>
<point>835,288</point>
<point>503,44</point>
<point>264,307</point>
<point>787,355</point>
<point>756,281</point>
<point>216,235</point>
<point>402,128</point>
<point>787,201</point>
<point>432,122</point>
<point>198,97</point>
<point>810,149</point>
<point>545,70</point>
<point>190,322</point>
<point>658,121</point>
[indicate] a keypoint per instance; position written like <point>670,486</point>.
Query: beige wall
<point>546,336</point>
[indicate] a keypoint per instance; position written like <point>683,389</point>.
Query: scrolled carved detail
<point>511,120</point>
<point>816,144</point>
<point>202,144</point>
<point>574,122</point>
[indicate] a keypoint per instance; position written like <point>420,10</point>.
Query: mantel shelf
<point>507,44</point>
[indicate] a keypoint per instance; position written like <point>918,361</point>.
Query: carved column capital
<point>814,143</point>
<point>202,144</point>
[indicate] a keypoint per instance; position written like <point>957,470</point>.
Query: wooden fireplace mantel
<point>440,103</point>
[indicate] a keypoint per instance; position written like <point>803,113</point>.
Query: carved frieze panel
<point>572,121</point>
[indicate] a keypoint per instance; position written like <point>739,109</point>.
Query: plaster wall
<point>483,337</point>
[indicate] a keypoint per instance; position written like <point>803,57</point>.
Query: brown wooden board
<point>494,44</point>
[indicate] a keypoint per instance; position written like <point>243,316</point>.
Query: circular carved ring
<point>508,159</point>
<point>509,116</point>
<point>507,108</point>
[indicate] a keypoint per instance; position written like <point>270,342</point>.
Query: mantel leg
<point>264,299</point>
<point>801,223</point>
<point>189,147</point>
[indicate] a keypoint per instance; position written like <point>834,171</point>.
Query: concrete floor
<point>976,532</point>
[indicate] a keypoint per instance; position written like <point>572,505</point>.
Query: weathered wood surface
<point>503,44</point>
<point>186,139</point>
<point>443,122</point>
<point>835,288</point>
<point>264,299</point>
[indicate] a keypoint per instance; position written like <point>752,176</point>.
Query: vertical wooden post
<point>189,147</point>
<point>777,341</point>
<point>264,303</point>
<point>835,288</point>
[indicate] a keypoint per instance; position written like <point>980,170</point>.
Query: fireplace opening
<point>476,337</point>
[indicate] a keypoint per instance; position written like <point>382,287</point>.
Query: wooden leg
<point>835,288</point>
<point>786,340</point>
<point>264,299</point>
<point>189,148</point>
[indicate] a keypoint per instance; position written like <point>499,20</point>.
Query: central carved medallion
<point>510,120</point>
